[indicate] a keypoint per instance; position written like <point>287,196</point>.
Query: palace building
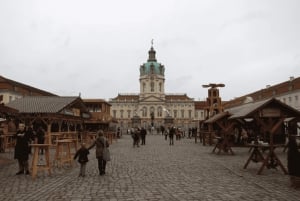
<point>151,105</point>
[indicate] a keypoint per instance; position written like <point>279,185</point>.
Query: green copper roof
<point>151,66</point>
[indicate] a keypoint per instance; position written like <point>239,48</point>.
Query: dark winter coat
<point>172,132</point>
<point>82,155</point>
<point>143,132</point>
<point>22,148</point>
<point>293,158</point>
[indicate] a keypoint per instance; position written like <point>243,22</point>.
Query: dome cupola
<point>151,66</point>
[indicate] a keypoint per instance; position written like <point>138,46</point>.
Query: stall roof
<point>43,104</point>
<point>249,109</point>
<point>216,117</point>
<point>5,109</point>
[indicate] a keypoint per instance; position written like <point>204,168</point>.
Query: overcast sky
<point>96,47</point>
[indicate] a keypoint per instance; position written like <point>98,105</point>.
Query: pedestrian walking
<point>162,128</point>
<point>143,135</point>
<point>118,132</point>
<point>100,143</point>
<point>172,132</point>
<point>166,133</point>
<point>82,155</point>
<point>136,137</point>
<point>22,149</point>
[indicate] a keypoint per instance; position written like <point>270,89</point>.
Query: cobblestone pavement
<point>156,171</point>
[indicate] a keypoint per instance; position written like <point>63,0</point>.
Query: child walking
<point>82,155</point>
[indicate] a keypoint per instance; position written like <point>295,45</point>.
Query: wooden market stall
<point>267,118</point>
<point>7,115</point>
<point>60,117</point>
<point>55,114</point>
<point>222,128</point>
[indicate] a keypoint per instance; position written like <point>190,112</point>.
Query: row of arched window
<point>152,86</point>
<point>146,113</point>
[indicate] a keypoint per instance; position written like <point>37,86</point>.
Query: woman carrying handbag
<point>102,152</point>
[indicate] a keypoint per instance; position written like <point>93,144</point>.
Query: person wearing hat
<point>101,143</point>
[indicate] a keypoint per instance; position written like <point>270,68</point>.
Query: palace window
<point>196,114</point>
<point>152,69</point>
<point>159,112</point>
<point>152,86</point>
<point>144,112</point>
<point>128,113</point>
<point>152,110</point>
<point>175,113</point>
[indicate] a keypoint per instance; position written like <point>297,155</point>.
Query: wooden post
<point>35,166</point>
<point>49,141</point>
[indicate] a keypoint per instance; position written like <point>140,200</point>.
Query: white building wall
<point>292,99</point>
<point>9,96</point>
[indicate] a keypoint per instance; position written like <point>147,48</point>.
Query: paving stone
<point>156,171</point>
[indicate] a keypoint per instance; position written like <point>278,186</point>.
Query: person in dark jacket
<point>136,137</point>
<point>293,162</point>
<point>143,135</point>
<point>82,155</point>
<point>22,149</point>
<point>172,132</point>
<point>100,142</point>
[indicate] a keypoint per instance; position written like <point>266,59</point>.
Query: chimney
<point>292,78</point>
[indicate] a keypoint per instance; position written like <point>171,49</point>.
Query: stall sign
<point>270,112</point>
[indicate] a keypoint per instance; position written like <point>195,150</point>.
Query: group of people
<point>171,132</point>
<point>102,154</point>
<point>26,135</point>
<point>138,134</point>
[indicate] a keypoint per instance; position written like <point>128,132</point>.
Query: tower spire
<point>151,53</point>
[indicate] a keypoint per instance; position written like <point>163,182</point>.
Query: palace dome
<point>152,66</point>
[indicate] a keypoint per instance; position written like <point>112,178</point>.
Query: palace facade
<point>151,105</point>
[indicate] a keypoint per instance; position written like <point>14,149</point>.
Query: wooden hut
<point>267,118</point>
<point>220,128</point>
<point>56,114</point>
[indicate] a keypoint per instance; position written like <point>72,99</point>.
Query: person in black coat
<point>143,135</point>
<point>82,155</point>
<point>22,149</point>
<point>172,132</point>
<point>293,162</point>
